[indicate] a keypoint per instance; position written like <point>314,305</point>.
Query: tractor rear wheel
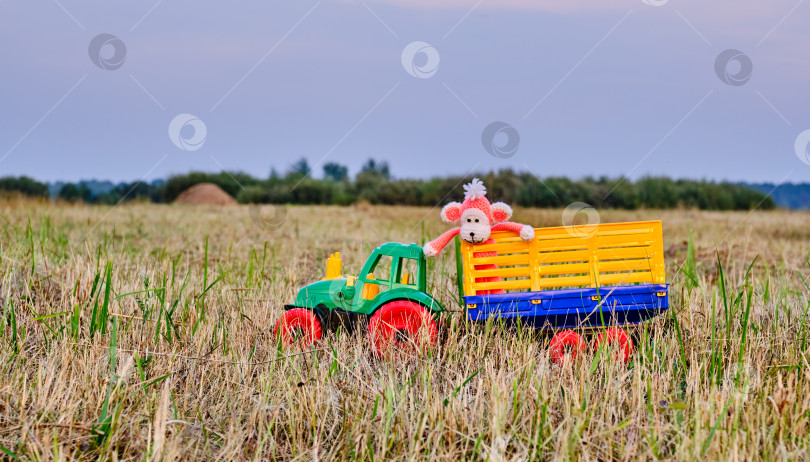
<point>566,345</point>
<point>403,325</point>
<point>616,338</point>
<point>299,327</point>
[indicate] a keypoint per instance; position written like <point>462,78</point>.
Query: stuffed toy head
<point>475,215</point>
<point>478,218</point>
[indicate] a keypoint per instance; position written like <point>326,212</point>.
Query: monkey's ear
<point>500,212</point>
<point>451,213</point>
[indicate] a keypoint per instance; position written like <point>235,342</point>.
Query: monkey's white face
<point>475,226</point>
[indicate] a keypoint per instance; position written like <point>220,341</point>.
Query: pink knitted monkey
<point>478,219</point>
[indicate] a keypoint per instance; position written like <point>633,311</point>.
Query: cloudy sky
<point>91,89</point>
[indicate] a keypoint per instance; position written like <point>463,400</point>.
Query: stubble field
<point>146,331</point>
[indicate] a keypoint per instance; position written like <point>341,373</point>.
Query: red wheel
<point>614,337</point>
<point>566,344</point>
<point>402,324</point>
<point>299,326</point>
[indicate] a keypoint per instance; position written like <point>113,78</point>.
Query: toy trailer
<point>590,276</point>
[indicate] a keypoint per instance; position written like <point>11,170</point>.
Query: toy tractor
<point>389,296</point>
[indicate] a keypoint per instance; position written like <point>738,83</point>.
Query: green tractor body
<point>392,272</point>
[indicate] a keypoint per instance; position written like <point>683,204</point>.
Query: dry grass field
<point>145,332</point>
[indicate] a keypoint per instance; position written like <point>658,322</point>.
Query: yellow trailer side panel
<point>568,257</point>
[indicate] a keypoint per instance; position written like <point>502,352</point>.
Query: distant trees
<point>790,195</point>
<point>375,184</point>
<point>72,192</point>
<point>300,168</point>
<point>335,172</point>
<point>24,185</point>
<point>124,192</point>
<point>380,168</point>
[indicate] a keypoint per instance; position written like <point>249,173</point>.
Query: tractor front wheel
<point>404,325</point>
<point>299,327</point>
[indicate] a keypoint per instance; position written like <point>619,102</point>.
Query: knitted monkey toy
<point>478,218</point>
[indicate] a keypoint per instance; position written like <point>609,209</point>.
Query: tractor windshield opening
<point>407,271</point>
<point>381,269</point>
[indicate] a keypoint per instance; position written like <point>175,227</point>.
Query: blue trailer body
<point>573,308</point>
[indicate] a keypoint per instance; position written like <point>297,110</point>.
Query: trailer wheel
<point>300,327</point>
<point>404,325</point>
<point>566,344</point>
<point>614,337</point>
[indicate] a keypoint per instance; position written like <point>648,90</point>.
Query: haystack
<point>205,194</point>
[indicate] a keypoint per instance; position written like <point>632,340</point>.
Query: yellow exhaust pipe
<point>334,266</point>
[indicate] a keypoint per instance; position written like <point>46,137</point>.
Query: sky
<point>131,91</point>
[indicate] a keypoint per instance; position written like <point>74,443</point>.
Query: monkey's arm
<point>435,246</point>
<point>526,232</point>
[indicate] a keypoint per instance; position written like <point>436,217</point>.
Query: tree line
<point>374,184</point>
